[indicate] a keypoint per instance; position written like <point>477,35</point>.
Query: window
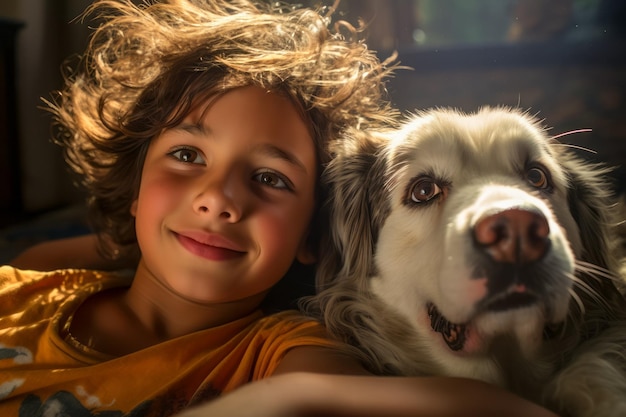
<point>425,24</point>
<point>452,22</point>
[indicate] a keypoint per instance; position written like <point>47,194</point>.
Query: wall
<point>46,38</point>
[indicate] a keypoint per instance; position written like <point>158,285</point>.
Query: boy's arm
<point>325,395</point>
<point>74,252</point>
<point>321,382</point>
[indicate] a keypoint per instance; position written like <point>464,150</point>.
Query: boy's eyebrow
<point>192,127</point>
<point>265,148</point>
<point>277,152</point>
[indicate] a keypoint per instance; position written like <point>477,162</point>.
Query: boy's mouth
<point>209,246</point>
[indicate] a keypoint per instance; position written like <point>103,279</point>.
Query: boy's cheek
<point>157,199</point>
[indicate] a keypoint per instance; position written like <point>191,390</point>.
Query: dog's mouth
<point>453,334</point>
<point>510,301</point>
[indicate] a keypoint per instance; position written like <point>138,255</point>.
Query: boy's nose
<point>217,200</point>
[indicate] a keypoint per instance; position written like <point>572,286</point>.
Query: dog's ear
<point>354,173</point>
<point>593,206</point>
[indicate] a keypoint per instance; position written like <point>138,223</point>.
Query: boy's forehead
<point>249,108</point>
<point>203,104</point>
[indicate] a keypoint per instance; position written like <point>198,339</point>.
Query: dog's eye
<point>538,178</point>
<point>424,190</point>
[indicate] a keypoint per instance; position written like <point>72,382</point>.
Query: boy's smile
<point>209,246</point>
<point>226,198</point>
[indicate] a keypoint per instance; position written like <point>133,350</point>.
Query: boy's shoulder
<point>290,322</point>
<point>12,278</point>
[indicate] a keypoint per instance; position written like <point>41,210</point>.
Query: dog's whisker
<point>578,147</point>
<point>580,283</point>
<point>586,289</point>
<point>571,132</point>
<point>594,295</point>
<point>594,271</point>
<point>579,302</point>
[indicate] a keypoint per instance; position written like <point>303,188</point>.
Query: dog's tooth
<point>455,336</point>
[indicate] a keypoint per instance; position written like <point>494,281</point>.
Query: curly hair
<point>147,64</point>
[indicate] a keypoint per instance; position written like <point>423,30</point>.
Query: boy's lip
<point>209,245</point>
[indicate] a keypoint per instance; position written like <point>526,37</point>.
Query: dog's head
<point>480,231</point>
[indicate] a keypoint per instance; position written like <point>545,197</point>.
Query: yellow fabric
<point>42,367</point>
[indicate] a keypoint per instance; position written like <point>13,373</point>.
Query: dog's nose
<point>513,236</point>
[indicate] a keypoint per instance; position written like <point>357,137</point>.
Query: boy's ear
<point>133,208</point>
<point>305,255</point>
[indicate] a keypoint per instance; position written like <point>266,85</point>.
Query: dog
<point>476,245</point>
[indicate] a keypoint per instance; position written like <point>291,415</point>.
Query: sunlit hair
<point>146,66</point>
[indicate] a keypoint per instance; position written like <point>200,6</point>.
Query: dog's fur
<point>485,221</point>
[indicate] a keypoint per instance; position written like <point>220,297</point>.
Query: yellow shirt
<point>43,368</point>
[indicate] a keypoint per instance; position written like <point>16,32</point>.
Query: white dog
<point>477,246</point>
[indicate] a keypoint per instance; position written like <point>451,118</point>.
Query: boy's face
<point>226,197</point>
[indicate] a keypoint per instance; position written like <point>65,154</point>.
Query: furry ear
<point>592,205</point>
<point>590,202</point>
<point>351,175</point>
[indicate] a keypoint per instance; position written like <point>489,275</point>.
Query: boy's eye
<point>272,179</point>
<point>187,155</point>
